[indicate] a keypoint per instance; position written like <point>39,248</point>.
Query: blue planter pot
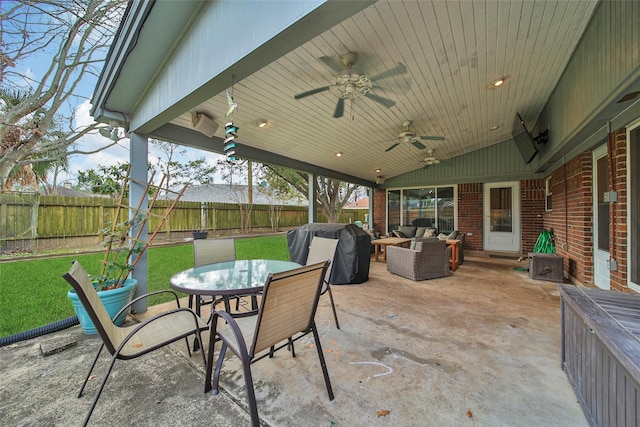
<point>113,300</point>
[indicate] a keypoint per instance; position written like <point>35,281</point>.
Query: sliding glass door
<point>425,206</point>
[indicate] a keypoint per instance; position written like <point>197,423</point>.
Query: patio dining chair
<point>323,249</point>
<point>209,252</point>
<point>287,310</point>
<point>129,342</point>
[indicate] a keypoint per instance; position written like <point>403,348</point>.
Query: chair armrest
<point>126,307</point>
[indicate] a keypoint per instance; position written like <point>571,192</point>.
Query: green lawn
<point>33,293</point>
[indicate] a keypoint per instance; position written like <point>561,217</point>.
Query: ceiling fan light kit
<point>408,136</point>
<point>351,84</point>
<point>431,160</point>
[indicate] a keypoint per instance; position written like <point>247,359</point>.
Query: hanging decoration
<point>230,130</point>
<point>230,133</point>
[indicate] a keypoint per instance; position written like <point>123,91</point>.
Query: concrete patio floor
<point>480,348</point>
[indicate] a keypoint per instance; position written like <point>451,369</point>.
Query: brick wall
<point>379,210</point>
<point>617,152</point>
<point>470,214</point>
<point>571,217</point>
<point>532,204</point>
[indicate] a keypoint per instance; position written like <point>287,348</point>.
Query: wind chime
<point>230,130</point>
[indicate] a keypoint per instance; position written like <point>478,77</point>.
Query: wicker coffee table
<point>383,243</point>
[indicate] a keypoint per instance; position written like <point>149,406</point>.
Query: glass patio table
<point>229,279</point>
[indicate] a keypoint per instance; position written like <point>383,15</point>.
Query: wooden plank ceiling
<point>452,51</point>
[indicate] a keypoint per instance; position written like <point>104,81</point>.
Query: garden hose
<point>545,243</point>
<point>42,330</point>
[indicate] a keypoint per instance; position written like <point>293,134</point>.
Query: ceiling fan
<point>350,83</point>
<point>407,136</point>
<point>431,160</point>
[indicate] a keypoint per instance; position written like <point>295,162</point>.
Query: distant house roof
<point>62,190</point>
<point>358,204</point>
<point>225,193</point>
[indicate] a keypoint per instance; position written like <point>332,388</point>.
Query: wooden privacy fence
<point>31,221</point>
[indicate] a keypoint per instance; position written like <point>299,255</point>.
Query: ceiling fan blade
<point>392,147</point>
<point>384,101</point>
<point>397,70</point>
<point>311,92</point>
<point>339,109</point>
<point>432,138</point>
<point>419,145</point>
<point>331,62</point>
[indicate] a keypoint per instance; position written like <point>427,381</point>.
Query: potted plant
<point>115,288</point>
<point>124,248</point>
<point>200,234</point>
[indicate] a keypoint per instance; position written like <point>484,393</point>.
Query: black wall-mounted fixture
<point>542,138</point>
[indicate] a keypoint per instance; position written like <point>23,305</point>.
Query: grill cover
<point>353,254</point>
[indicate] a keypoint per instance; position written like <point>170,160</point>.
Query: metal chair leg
<point>251,395</point>
<point>102,384</point>
<point>323,364</point>
<point>333,306</point>
<point>90,370</point>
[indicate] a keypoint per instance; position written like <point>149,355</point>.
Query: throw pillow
<point>420,231</point>
<point>407,230</point>
<point>442,236</point>
<point>429,232</point>
<point>453,235</point>
<point>398,233</point>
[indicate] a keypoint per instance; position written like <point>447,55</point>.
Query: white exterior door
<point>600,218</point>
<point>502,217</point>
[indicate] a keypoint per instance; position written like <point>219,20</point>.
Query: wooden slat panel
<point>603,375</point>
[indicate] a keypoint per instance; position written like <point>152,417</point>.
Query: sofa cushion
<point>420,231</point>
<point>453,235</point>
<point>398,233</point>
<point>408,230</point>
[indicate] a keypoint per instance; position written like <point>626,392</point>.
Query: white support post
<point>313,205</point>
<point>138,155</point>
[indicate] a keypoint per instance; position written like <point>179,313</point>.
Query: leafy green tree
<point>107,180</point>
<point>38,126</point>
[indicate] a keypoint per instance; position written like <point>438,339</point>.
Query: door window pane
<point>501,209</point>
<point>603,207</point>
<point>419,203</point>
<point>446,211</point>
<point>424,207</point>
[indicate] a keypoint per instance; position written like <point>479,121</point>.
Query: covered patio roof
<point>432,64</point>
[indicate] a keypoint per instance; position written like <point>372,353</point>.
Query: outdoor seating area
<point>480,346</point>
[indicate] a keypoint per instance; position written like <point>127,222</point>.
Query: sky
<point>119,153</point>
<point>31,70</point>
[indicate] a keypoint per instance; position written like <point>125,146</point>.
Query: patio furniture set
<point>289,295</point>
<point>417,254</point>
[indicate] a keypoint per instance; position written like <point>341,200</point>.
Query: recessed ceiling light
<point>339,154</point>
<point>378,170</point>
<point>263,123</point>
<point>498,82</point>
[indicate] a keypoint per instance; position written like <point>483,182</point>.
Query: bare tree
<point>239,170</point>
<point>71,38</point>
<point>176,173</point>
<point>331,194</point>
